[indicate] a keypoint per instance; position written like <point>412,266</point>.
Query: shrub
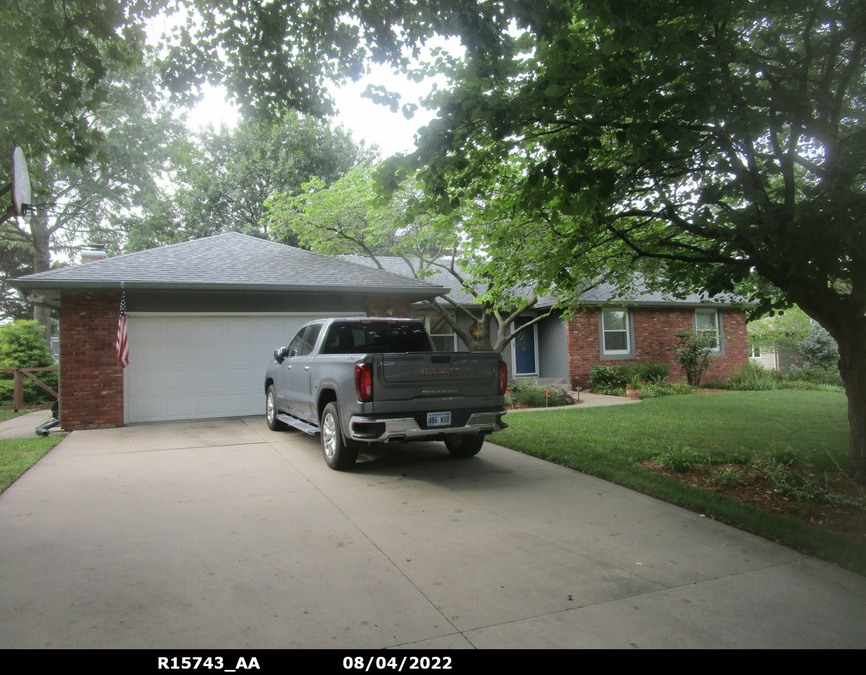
<point>644,372</point>
<point>606,376</point>
<point>726,476</point>
<point>790,484</point>
<point>751,377</point>
<point>22,345</point>
<point>666,389</point>
<point>754,377</point>
<point>612,380</point>
<point>693,354</point>
<point>819,349</point>
<point>681,459</point>
<point>530,395</point>
<point>826,376</point>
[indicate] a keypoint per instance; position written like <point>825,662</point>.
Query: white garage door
<point>193,366</point>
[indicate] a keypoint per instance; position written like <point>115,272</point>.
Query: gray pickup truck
<point>375,380</point>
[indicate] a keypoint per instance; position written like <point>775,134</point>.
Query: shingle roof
<point>397,265</point>
<point>230,261</point>
<point>603,294</point>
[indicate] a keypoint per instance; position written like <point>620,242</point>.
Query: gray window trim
<point>629,313</point>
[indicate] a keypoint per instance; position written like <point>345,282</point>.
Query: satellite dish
<point>20,184</point>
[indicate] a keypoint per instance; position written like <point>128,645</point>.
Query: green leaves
<point>221,179</point>
<point>340,219</point>
<point>56,63</point>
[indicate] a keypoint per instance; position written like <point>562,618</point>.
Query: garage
<point>191,366</point>
<point>203,320</point>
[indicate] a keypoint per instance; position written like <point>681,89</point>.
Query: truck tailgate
<point>465,379</point>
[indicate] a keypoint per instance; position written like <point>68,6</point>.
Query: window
<point>755,351</point>
<point>707,322</point>
<point>617,337</point>
<point>444,338</point>
<point>376,337</point>
<point>310,341</point>
<point>294,347</point>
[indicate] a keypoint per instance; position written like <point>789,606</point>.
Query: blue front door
<point>524,348</point>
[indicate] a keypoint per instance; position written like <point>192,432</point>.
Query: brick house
<point>607,329</point>
<point>645,332</point>
<point>204,318</point>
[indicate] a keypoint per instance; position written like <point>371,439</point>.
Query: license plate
<point>439,419</point>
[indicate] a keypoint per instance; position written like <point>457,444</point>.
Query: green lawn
<point>19,454</point>
<point>9,414</point>
<point>610,442</point>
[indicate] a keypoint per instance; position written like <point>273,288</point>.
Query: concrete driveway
<point>225,535</point>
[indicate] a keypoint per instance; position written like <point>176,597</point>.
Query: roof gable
<point>230,261</point>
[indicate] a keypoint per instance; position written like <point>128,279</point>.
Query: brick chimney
<point>93,253</point>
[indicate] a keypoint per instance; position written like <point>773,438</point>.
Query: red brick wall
<point>655,332</point>
<point>389,306</point>
<point>91,377</point>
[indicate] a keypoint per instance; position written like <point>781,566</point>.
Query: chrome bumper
<point>374,430</point>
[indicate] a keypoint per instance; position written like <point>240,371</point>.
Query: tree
<point>279,56</point>
<point>221,179</point>
<point>781,332</point>
<point>712,141</point>
<point>134,128</point>
<point>57,61</point>
<point>347,219</point>
<point>15,261</point>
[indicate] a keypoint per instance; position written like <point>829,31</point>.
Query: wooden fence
<point>18,375</point>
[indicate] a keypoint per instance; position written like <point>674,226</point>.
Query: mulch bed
<point>752,487</point>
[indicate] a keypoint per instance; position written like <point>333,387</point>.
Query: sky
<point>374,124</point>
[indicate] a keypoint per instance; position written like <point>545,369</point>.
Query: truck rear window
<point>376,338</point>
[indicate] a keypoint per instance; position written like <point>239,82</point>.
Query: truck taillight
<point>503,378</point>
<point>364,381</point>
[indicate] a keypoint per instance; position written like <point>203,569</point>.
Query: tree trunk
<point>852,368</point>
<point>41,263</point>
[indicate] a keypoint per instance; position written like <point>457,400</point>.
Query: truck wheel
<point>271,411</point>
<point>464,445</point>
<point>334,450</point>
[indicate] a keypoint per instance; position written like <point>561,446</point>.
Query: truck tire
<point>271,411</point>
<point>464,445</point>
<point>337,455</point>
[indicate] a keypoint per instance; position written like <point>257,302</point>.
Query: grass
<point>9,414</point>
<point>19,454</point>
<point>610,442</point>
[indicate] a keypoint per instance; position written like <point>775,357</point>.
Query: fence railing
<point>18,375</point>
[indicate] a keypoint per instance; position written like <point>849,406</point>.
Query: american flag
<point>122,340</point>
